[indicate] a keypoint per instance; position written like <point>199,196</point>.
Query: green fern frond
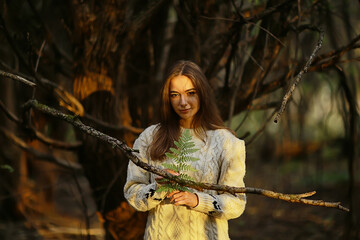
<point>171,167</point>
<point>180,155</point>
<point>190,159</point>
<point>175,151</point>
<point>170,155</point>
<point>185,177</point>
<point>173,187</point>
<point>186,167</point>
<point>191,150</point>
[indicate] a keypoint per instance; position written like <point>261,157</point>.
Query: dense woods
<point>103,63</point>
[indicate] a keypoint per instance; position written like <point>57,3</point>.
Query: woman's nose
<point>183,100</point>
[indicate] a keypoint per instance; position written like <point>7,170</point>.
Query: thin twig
<point>246,22</point>
<point>39,55</point>
<point>56,143</point>
<point>129,152</point>
<point>9,114</point>
<point>340,51</point>
<point>18,78</point>
<point>298,78</point>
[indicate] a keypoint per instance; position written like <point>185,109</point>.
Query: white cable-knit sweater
<point>222,161</point>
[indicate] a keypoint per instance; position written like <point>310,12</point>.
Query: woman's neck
<point>185,123</point>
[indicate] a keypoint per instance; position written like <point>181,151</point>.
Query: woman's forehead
<point>181,83</point>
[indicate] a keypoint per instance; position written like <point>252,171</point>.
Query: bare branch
<point>246,22</point>
<point>298,78</point>
<point>18,78</point>
<point>9,114</point>
<point>293,198</point>
<point>338,52</point>
<point>56,143</point>
<point>39,155</point>
<point>269,11</point>
<point>39,55</point>
<point>112,127</point>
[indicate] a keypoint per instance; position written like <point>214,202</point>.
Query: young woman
<point>187,103</point>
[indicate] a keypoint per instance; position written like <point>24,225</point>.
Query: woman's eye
<point>173,95</point>
<point>191,93</point>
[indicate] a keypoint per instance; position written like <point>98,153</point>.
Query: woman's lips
<point>184,110</point>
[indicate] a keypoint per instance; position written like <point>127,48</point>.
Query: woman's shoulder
<point>149,132</point>
<point>151,128</point>
<point>224,134</point>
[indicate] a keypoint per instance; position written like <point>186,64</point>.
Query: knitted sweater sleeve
<point>232,172</point>
<point>139,191</point>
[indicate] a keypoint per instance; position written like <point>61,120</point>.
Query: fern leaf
<point>171,167</point>
<point>174,150</point>
<point>180,155</point>
<point>170,155</point>
<point>185,177</point>
<point>189,145</point>
<point>192,150</point>
<point>189,158</point>
<point>178,144</point>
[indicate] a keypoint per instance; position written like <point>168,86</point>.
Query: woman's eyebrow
<point>191,89</point>
<point>188,90</point>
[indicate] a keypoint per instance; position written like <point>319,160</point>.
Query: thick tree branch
<point>41,137</point>
<point>129,152</point>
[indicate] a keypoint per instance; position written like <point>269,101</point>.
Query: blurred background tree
<point>105,61</point>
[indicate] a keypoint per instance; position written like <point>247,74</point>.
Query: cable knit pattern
<point>222,161</point>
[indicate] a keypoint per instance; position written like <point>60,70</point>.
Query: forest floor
<point>264,218</point>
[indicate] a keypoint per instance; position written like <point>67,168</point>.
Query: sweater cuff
<point>153,194</point>
<point>205,204</point>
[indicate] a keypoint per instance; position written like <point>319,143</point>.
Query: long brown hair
<point>207,118</point>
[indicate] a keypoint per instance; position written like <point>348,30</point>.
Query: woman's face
<point>184,99</point>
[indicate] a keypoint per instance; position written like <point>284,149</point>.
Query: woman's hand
<point>178,197</point>
<point>183,198</point>
<point>160,179</point>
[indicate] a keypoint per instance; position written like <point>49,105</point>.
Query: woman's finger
<point>172,193</point>
<point>184,198</point>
